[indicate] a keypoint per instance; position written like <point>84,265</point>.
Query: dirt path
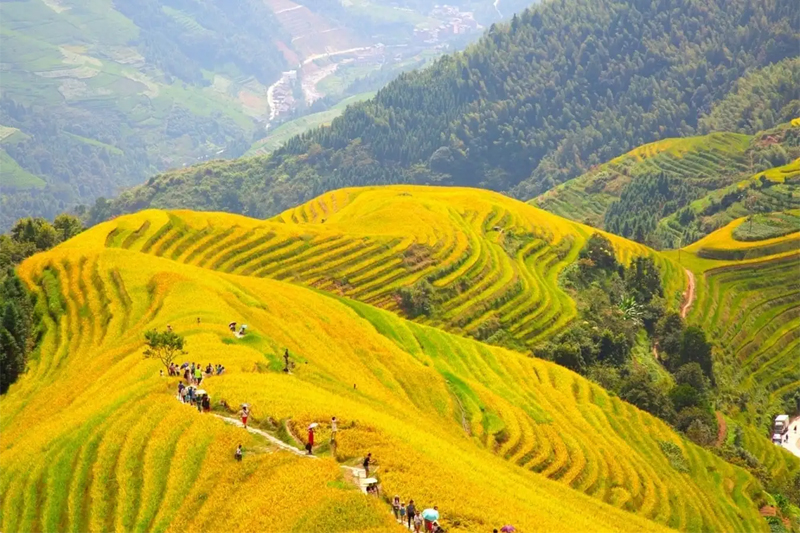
<point>274,440</point>
<point>357,474</point>
<point>722,429</point>
<point>689,295</point>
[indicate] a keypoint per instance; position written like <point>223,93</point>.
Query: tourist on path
<point>430,516</point>
<point>366,462</point>
<point>396,507</point>
<point>245,412</point>
<point>310,444</point>
<point>417,522</point>
<point>411,513</point>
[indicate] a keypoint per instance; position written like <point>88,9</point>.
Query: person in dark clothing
<point>411,512</point>
<point>366,463</point>
<point>239,453</point>
<point>286,360</point>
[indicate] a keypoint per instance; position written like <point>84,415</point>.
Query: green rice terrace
<point>673,192</point>
<point>748,299</point>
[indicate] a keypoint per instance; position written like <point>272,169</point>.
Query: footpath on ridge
<point>358,475</point>
<point>690,294</point>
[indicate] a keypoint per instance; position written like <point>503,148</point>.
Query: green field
<point>12,176</point>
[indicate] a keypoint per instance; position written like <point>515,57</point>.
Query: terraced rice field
<point>708,161</point>
<point>748,300</point>
<point>94,439</point>
<point>775,189</point>
<point>493,262</point>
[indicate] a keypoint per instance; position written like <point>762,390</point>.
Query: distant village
<point>300,84</point>
<point>454,22</point>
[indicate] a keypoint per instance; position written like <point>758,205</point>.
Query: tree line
<point>20,323</point>
<point>564,86</point>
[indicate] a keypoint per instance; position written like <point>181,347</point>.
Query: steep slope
<point>564,86</point>
<point>678,190</point>
<point>704,160</point>
<point>747,299</point>
<point>484,264</point>
<point>756,196</point>
<point>95,440</point>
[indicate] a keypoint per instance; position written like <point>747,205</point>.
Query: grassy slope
<point>94,439</point>
<point>284,132</point>
<point>493,261</point>
<point>771,190</point>
<point>13,176</point>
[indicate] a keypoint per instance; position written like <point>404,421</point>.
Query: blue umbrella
<point>430,515</point>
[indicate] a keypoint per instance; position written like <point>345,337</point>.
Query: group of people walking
<point>416,519</point>
<point>189,393</point>
<point>194,373</point>
<point>194,396</point>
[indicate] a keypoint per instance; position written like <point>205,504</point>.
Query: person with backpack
<point>411,512</point>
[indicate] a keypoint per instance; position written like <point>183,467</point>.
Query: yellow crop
<point>95,440</point>
<point>493,260</point>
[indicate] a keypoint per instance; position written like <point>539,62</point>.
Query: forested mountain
<point>565,86</point>
<point>97,96</point>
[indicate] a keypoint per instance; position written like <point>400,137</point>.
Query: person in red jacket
<point>310,443</point>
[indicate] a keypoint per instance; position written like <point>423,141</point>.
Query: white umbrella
<point>313,425</point>
<point>200,392</point>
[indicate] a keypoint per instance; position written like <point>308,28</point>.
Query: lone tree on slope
<point>164,346</point>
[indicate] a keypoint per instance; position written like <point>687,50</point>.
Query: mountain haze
<point>564,86</point>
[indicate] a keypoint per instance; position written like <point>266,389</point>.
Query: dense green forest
<point>566,85</point>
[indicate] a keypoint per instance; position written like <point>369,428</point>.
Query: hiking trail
<point>357,474</point>
<point>689,295</point>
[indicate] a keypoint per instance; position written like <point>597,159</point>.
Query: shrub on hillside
<point>417,300</point>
